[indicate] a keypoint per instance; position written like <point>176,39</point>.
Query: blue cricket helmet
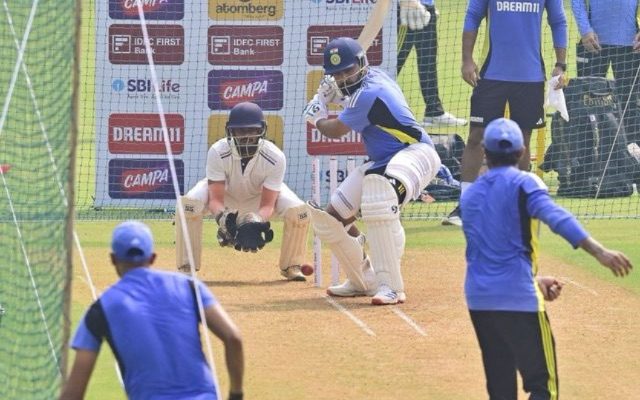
<point>342,53</point>
<point>246,115</point>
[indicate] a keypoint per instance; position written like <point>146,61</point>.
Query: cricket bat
<point>374,23</point>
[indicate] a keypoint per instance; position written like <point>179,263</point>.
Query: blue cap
<point>503,136</point>
<point>132,241</point>
<point>342,53</point>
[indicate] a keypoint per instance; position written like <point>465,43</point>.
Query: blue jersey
<point>514,52</point>
<point>150,320</point>
<point>614,21</point>
<point>379,111</point>
<point>499,217</point>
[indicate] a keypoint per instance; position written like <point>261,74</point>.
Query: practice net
<point>37,41</point>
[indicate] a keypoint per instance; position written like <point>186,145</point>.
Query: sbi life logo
<point>144,85</point>
<point>348,1</point>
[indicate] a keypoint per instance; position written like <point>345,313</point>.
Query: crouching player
<point>402,162</point>
<point>243,189</point>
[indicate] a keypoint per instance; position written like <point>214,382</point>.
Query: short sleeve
<point>356,115</point>
<point>532,183</point>
<point>275,177</point>
<point>91,329</point>
<point>208,299</point>
<point>215,167</point>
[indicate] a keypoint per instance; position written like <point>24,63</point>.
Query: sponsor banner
<point>245,45</point>
<point>275,129</point>
<point>142,133</point>
<point>319,35</point>
<point>350,144</point>
<point>126,44</point>
<point>230,87</point>
<point>143,179</point>
<point>153,9</point>
<point>261,10</point>
<point>142,88</point>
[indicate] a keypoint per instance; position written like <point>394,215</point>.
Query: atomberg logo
<point>230,87</point>
<point>153,9</point>
<point>143,179</point>
<point>246,9</point>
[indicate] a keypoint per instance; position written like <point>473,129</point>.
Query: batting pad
<point>193,213</point>
<point>381,215</point>
<point>294,236</point>
<point>346,248</point>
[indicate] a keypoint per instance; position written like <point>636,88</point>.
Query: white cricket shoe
<point>453,218</point>
<point>293,273</point>
<point>348,289</point>
<point>386,296</point>
<point>446,119</point>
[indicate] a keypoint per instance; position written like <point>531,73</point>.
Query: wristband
<point>562,66</point>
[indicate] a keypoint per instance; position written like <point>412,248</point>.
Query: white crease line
<point>409,321</point>
<point>566,279</point>
<point>349,314</point>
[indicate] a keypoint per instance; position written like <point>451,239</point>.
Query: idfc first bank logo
<point>127,45</point>
<point>153,9</point>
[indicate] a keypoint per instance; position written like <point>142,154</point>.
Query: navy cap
<point>503,136</point>
<point>132,241</point>
<point>341,53</point>
<point>246,115</point>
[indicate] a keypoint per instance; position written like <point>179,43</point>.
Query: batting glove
<point>315,110</point>
<point>328,92</point>
<point>413,14</point>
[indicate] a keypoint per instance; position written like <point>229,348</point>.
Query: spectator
<point>610,38</point>
<point>417,28</point>
<point>513,72</point>
<point>150,320</point>
<point>500,212</point>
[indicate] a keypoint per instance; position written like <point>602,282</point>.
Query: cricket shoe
<point>446,119</point>
<point>186,269</point>
<point>293,273</point>
<point>386,296</point>
<point>348,289</point>
<point>453,218</point>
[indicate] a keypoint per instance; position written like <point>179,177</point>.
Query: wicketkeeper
<point>243,189</point>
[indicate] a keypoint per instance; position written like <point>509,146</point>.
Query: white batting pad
<point>414,166</point>
<point>193,213</point>
<point>381,215</point>
<point>294,236</point>
<point>346,248</point>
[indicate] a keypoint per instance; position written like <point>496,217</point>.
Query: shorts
<point>526,103</point>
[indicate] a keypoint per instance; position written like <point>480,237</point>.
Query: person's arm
<point>549,286</point>
<point>216,197</point>
<point>267,203</point>
<point>81,371</point>
<point>221,325</point>
<point>615,260</point>
<point>476,12</point>
<point>332,128</point>
<point>558,22</point>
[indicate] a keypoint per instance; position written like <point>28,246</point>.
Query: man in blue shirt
<point>417,28</point>
<point>505,299</point>
<point>610,37</point>
<point>150,320</point>
<point>402,161</point>
<point>512,73</point>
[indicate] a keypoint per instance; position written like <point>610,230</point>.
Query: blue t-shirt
<point>499,218</point>
<point>614,21</point>
<point>379,111</point>
<point>515,35</point>
<point>150,319</point>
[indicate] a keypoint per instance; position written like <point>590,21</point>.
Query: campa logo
<point>238,91</point>
<point>228,87</point>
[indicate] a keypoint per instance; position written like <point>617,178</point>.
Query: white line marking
<point>409,321</point>
<point>565,279</point>
<point>349,314</point>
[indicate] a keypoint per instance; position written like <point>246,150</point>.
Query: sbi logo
<point>117,85</point>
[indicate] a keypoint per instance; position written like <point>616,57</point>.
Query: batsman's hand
<point>414,15</point>
<point>315,110</point>
<point>252,234</point>
<point>591,42</point>
<point>328,92</point>
<point>550,287</point>
<point>227,227</point>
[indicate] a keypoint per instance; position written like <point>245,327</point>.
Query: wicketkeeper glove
<point>328,92</point>
<point>227,227</point>
<point>315,110</point>
<point>413,14</point>
<point>253,234</point>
